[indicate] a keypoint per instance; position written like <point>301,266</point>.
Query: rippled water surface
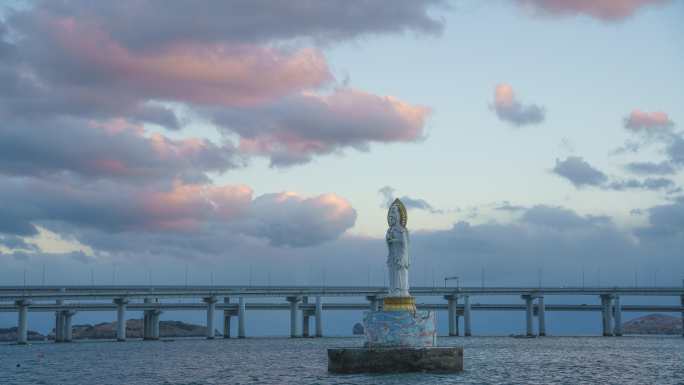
<point>488,360</point>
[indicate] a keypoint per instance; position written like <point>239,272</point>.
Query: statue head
<point>397,214</point>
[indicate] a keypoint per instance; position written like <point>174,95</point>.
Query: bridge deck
<point>8,293</point>
<point>46,307</point>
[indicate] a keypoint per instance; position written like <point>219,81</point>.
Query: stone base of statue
<point>391,329</point>
<point>438,359</point>
<point>398,339</point>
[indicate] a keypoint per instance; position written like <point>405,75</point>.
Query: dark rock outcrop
<point>134,329</point>
<point>653,324</point>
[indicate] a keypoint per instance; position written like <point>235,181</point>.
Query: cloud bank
<point>96,98</point>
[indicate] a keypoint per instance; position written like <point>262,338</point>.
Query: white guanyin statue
<point>398,244</point>
<point>399,324</point>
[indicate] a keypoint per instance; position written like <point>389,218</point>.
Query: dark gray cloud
<point>509,109</point>
<point>579,172</point>
<point>289,220</point>
<point>675,149</point>
<point>109,209</point>
<point>556,238</point>
<point>521,115</point>
<point>5,47</point>
<point>114,150</point>
<point>388,194</point>
<point>150,23</point>
<point>650,168</point>
<point>646,184</point>
<point>560,218</point>
<point>103,205</point>
<point>666,222</point>
<point>562,242</point>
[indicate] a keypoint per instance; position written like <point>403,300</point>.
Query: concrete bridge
<point>65,301</point>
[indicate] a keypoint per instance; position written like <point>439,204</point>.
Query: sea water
<point>488,360</point>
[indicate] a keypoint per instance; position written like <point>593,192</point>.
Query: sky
<point>259,142</point>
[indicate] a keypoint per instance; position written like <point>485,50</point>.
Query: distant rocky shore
<point>10,335</point>
<point>107,330</point>
<point>653,324</point>
<point>648,324</point>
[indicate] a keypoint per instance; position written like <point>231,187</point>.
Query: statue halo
<point>403,217</point>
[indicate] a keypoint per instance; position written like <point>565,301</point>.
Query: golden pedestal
<point>399,304</point>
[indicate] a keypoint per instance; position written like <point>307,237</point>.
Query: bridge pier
<point>67,331</point>
<point>148,322</point>
<point>529,314</point>
<point>153,324</point>
<point>146,325</point>
<point>305,318</point>
<point>452,314</point>
<point>59,323</point>
<point>319,317</point>
<point>120,318</point>
<point>156,324</point>
<point>211,307</point>
<point>226,319</point>
<point>241,317</point>
<point>22,327</point>
<point>466,315</point>
<point>541,316</point>
<point>617,316</point>
<point>59,327</point>
<point>606,312</point>
<point>293,315</point>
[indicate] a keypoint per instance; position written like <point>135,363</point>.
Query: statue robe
<point>398,261</point>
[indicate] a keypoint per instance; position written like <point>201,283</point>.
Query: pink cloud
<point>503,95</point>
<point>639,120</point>
<point>200,73</point>
<point>607,10</point>
<point>162,151</point>
<point>293,129</point>
<point>189,206</point>
<point>283,218</point>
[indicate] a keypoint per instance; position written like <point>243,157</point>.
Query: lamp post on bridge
<point>454,278</point>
